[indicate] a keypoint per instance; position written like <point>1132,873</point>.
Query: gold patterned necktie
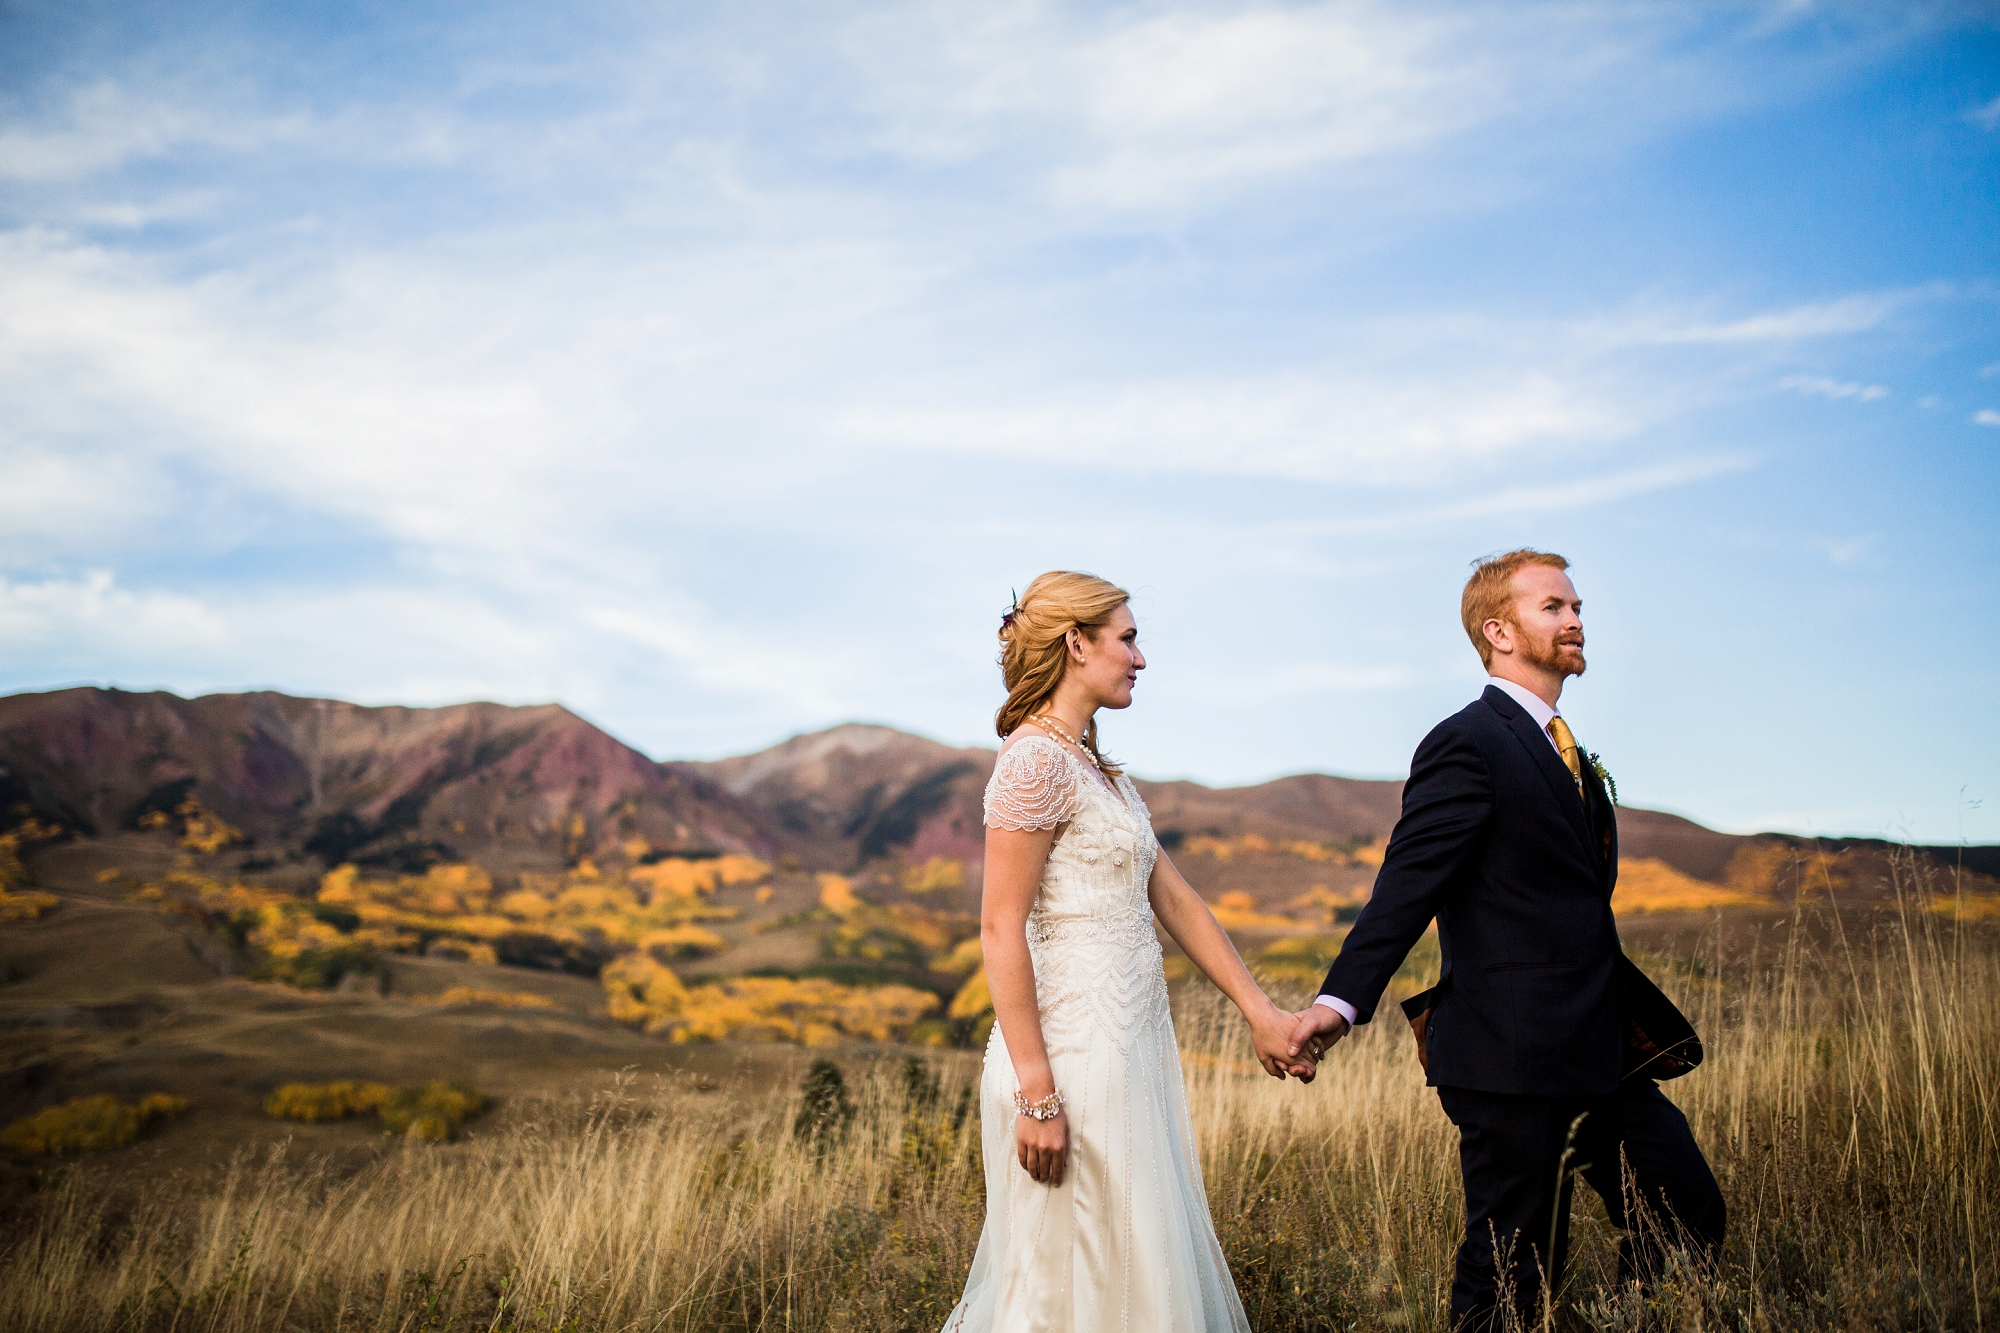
<point>1572,760</point>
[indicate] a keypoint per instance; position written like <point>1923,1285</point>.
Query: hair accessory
<point>1013,607</point>
<point>1048,1108</point>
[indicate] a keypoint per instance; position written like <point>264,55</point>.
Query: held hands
<point>1315,1031</point>
<point>1271,1030</point>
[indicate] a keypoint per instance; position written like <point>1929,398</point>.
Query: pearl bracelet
<point>1048,1108</point>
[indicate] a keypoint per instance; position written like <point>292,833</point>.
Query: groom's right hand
<point>1316,1032</point>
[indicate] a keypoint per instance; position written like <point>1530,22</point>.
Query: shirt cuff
<point>1341,1007</point>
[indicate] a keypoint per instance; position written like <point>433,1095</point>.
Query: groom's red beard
<point>1562,654</point>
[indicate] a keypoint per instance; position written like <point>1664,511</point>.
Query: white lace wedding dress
<point>1125,1242</point>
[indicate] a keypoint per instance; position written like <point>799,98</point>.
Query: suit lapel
<point>1543,756</point>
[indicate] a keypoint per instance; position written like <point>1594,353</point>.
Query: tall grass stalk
<point>1848,1105</point>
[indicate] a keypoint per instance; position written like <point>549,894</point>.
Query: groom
<point>1507,839</point>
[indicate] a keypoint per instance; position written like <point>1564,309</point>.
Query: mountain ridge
<point>334,780</point>
<point>529,787</point>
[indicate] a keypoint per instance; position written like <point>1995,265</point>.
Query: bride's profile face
<point>1110,660</point>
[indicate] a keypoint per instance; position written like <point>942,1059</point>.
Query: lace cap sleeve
<point>1033,786</point>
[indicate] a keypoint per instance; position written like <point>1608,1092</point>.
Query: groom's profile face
<point>1548,619</point>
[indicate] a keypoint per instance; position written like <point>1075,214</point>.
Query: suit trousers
<point>1633,1147</point>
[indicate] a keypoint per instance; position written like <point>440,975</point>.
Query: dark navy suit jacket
<point>1496,845</point>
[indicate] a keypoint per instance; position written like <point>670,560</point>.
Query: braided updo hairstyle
<point>1034,649</point>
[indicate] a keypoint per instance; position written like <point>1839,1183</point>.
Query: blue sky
<point>717,369</point>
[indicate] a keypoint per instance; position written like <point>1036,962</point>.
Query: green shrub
<point>340,918</point>
<point>431,1111</point>
<point>824,1107</point>
<point>321,969</point>
<point>95,1122</point>
<point>325,1101</point>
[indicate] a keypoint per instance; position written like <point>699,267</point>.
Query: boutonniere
<point>1604,776</point>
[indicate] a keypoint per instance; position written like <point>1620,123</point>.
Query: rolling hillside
<point>211,897</point>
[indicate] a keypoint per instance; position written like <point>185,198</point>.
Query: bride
<point>1095,1214</point>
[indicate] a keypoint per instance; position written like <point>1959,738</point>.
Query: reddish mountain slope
<point>857,792</point>
<point>1310,806</point>
<point>519,787</point>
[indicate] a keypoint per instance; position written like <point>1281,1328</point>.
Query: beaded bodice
<point>1090,931</point>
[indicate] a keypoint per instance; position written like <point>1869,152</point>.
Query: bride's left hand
<point>1271,1035</point>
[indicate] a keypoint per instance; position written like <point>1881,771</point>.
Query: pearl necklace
<point>1061,733</point>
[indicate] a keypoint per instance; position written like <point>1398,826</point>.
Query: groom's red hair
<point>1489,593</point>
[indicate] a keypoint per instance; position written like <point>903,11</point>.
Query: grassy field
<point>1850,1105</point>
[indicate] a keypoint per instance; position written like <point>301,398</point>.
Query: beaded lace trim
<point>1033,786</point>
<point>1124,930</point>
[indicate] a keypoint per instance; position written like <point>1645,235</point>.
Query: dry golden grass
<point>1848,1104</point>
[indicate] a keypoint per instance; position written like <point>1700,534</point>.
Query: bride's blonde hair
<point>1034,647</point>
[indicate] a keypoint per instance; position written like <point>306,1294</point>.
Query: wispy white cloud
<point>104,124</point>
<point>1390,430</point>
<point>1819,386</point>
<point>66,499</point>
<point>1186,103</point>
<point>71,617</point>
<point>1986,117</point>
<point>134,215</point>
<point>1986,416</point>
<point>1858,313</point>
<point>441,402</point>
<point>1173,109</point>
<point>1155,104</point>
<point>1555,497</point>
